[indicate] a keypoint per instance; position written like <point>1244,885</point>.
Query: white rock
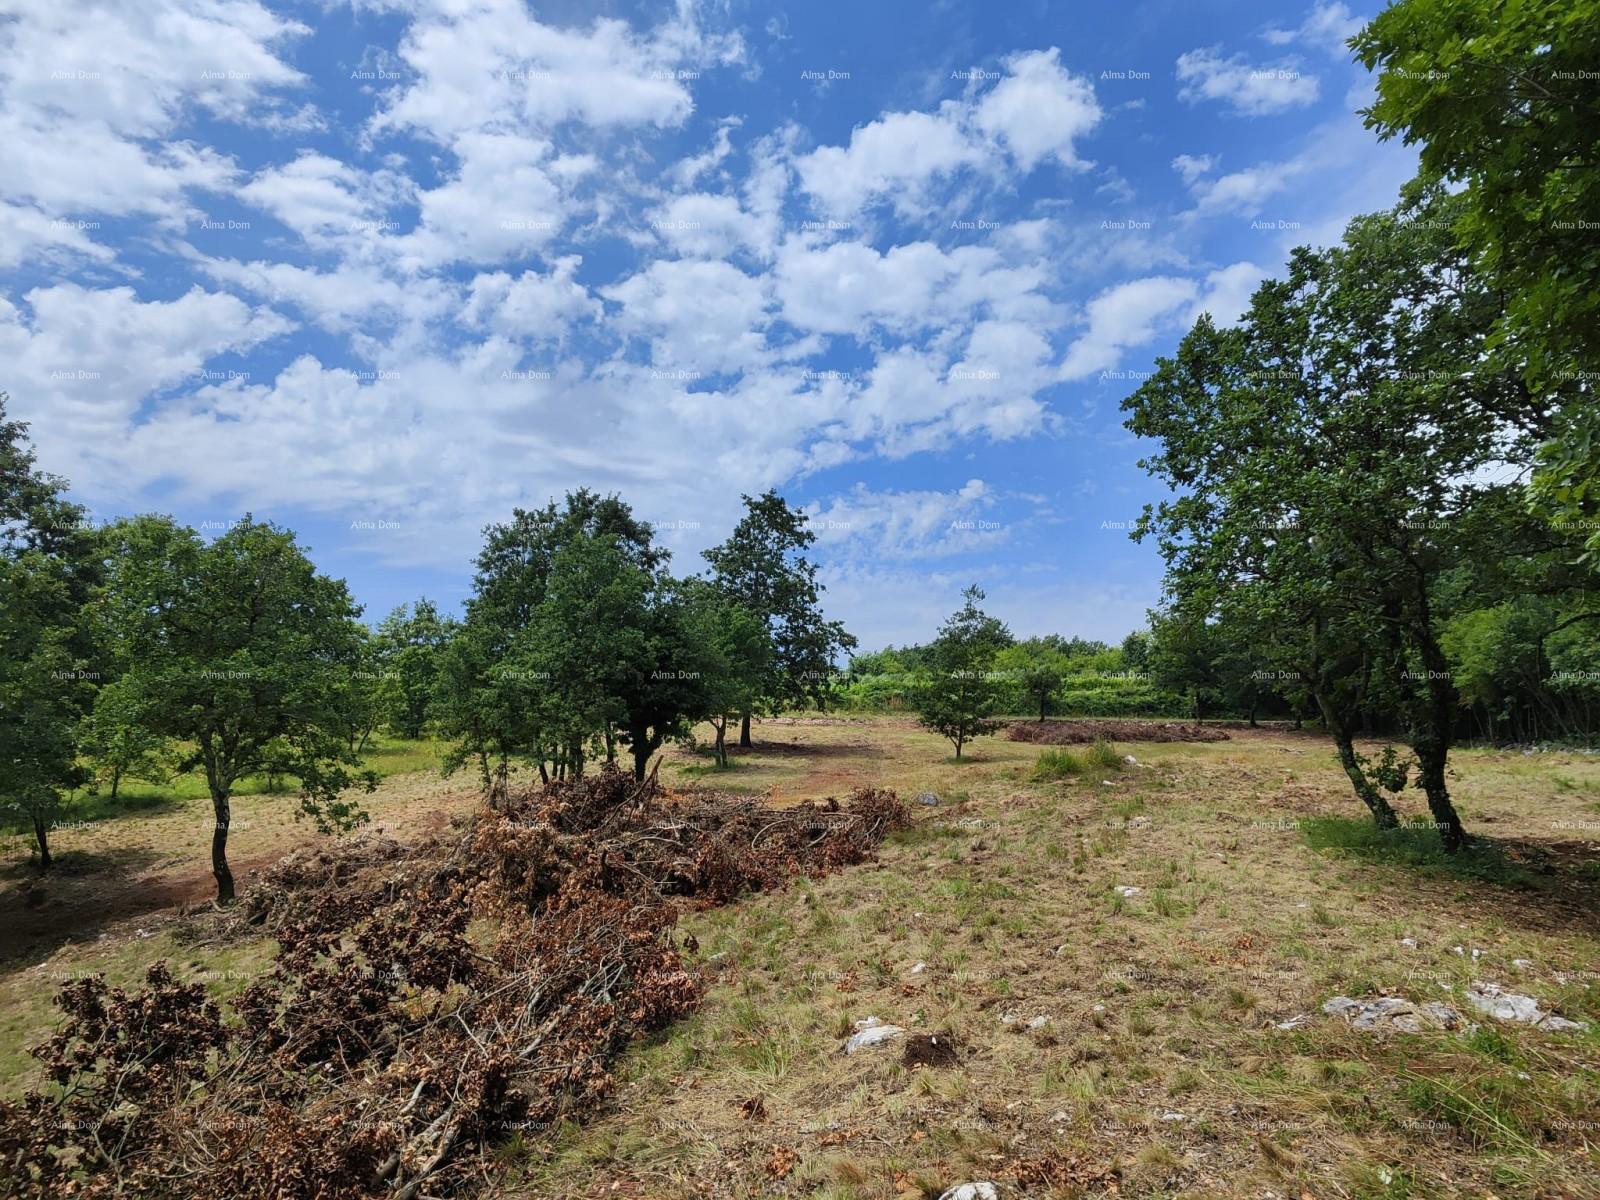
<point>982,1190</point>
<point>1125,891</point>
<point>1394,1012</point>
<point>1522,964</point>
<point>1173,1116</point>
<point>1058,1116</point>
<point>1293,1022</point>
<point>1038,1022</point>
<point>1494,1001</point>
<point>1459,950</point>
<point>1009,1018</point>
<point>1412,942</point>
<point>1108,783</point>
<point>1128,758</point>
<point>873,1035</point>
<point>1138,822</point>
<point>919,968</point>
<point>1476,954</point>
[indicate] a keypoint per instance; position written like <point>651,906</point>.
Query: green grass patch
<point>1417,847</point>
<point>1057,762</point>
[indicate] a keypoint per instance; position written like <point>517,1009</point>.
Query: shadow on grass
<point>80,894</point>
<point>1417,847</point>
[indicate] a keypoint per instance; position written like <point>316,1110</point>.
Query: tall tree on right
<point>1329,455</point>
<point>1502,100</point>
<point>762,568</point>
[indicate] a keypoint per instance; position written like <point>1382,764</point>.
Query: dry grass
<point>1158,1070</point>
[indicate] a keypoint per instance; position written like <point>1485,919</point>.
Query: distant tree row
<point>140,650</point>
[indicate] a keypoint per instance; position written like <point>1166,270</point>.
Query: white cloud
<point>1227,292</point>
<point>1038,109</point>
<point>87,358</point>
<point>699,225</point>
<point>875,526</point>
<point>1327,27</point>
<point>1247,90</point>
<point>1126,315</point>
<point>84,87</point>
<point>1193,166</point>
<point>533,307</point>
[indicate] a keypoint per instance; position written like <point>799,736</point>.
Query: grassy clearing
<point>1163,927</point>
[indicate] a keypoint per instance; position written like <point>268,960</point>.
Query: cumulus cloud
<point>1038,110</point>
<point>1129,314</point>
<point>1246,89</point>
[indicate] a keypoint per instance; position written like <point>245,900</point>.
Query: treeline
<point>1387,474</point>
<point>140,650</point>
<point>1044,676</point>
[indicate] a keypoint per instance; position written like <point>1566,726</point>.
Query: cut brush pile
<point>426,1003</point>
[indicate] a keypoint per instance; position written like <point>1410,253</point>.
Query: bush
<point>1103,754</point>
<point>1057,763</point>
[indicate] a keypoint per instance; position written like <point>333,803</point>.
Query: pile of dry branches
<point>426,1003</point>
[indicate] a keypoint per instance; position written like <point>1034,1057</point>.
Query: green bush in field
<point>1057,762</point>
<point>1103,754</point>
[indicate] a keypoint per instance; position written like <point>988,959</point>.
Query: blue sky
<point>382,271</point>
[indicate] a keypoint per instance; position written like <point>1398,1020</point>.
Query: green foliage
<point>1057,762</point>
<point>49,570</point>
<point>1501,100</point>
<point>118,741</point>
<point>241,650</point>
<point>1103,755</point>
<point>1331,456</point>
<point>762,568</point>
<point>410,642</point>
<point>960,693</point>
<point>1415,846</point>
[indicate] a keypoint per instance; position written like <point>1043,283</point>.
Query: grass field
<point>1105,1043</point>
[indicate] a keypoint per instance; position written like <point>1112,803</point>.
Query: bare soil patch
<point>1069,732</point>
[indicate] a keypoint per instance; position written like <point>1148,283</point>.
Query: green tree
<point>1327,452</point>
<point>410,641</point>
<point>762,567</point>
<point>960,693</point>
<point>1501,100</point>
<point>245,652</point>
<point>117,739</point>
<point>49,573</point>
<point>738,653</point>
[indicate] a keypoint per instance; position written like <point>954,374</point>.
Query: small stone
<point>982,1190</point>
<point>1126,892</point>
<point>1522,964</point>
<point>1459,950</point>
<point>1173,1116</point>
<point>1128,758</point>
<point>1038,1022</point>
<point>931,799</point>
<point>1138,822</point>
<point>1293,1022</point>
<point>1058,1116</point>
<point>1411,942</point>
<point>1108,783</point>
<point>919,968</point>
<point>872,1032</point>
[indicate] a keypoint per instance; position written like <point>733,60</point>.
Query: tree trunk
<point>722,741</point>
<point>219,846</point>
<point>744,732</point>
<point>116,782</point>
<point>641,758</point>
<point>1044,702</point>
<point>1253,714</point>
<point>1383,815</point>
<point>43,837</point>
<point>611,743</point>
<point>1432,746</point>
